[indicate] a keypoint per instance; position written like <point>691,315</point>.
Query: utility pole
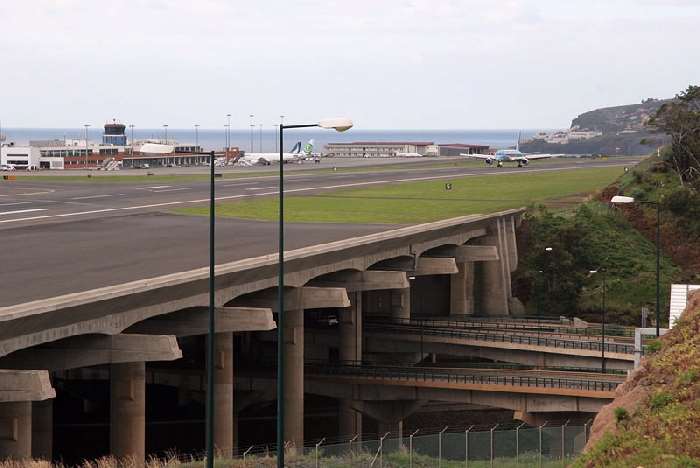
<point>86,145</point>
<point>251,132</point>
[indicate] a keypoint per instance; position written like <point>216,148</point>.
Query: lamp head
<point>621,199</point>
<point>548,249</point>
<point>339,124</point>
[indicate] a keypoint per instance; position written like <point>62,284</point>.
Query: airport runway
<point>63,237</point>
<point>35,203</point>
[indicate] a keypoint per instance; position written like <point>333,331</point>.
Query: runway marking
<point>301,189</point>
<point>171,190</point>
<point>151,206</point>
<point>23,219</point>
<point>15,203</point>
<point>85,212</point>
<point>89,197</point>
<point>229,197</point>
<point>159,187</point>
<point>21,211</point>
<point>357,183</point>
<point>267,193</point>
<point>257,188</point>
<point>28,194</point>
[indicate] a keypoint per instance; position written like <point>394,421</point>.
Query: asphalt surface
<point>60,237</point>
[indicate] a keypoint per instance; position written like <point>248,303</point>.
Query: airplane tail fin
<point>296,148</point>
<point>309,147</point>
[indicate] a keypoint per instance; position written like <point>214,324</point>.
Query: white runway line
<point>157,187</point>
<point>23,219</point>
<point>172,190</point>
<point>86,212</point>
<point>15,203</point>
<point>150,206</point>
<point>21,211</point>
<point>358,183</point>
<point>28,194</point>
<point>257,188</point>
<point>229,197</point>
<point>90,197</point>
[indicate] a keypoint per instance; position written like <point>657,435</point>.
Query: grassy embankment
<point>423,201</point>
<point>655,421</point>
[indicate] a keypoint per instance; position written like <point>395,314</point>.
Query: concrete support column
<point>127,435</point>
<point>401,303</point>
<point>294,377</point>
<point>224,422</point>
<point>42,430</point>
<point>394,427</point>
<point>16,430</point>
<point>494,283</point>
<point>462,289</point>
<point>350,349</point>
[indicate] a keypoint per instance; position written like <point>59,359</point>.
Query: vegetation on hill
<point>590,237</point>
<point>655,419</point>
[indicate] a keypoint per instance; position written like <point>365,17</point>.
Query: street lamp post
<point>251,132</point>
<point>228,134</point>
<point>210,414</point>
<point>619,199</point>
<point>165,126</point>
<point>196,138</point>
<point>260,137</point>
<point>602,324</point>
<point>131,127</point>
<point>340,125</point>
<point>86,144</point>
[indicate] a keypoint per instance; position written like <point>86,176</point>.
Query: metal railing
<point>359,369</point>
<point>543,341</point>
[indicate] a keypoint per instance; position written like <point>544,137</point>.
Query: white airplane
<point>509,155</point>
<point>265,159</point>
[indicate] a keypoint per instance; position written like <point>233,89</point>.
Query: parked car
<point>7,168</point>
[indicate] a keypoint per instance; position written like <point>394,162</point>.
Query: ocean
<point>266,140</point>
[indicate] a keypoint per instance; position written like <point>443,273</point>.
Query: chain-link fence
<point>497,446</point>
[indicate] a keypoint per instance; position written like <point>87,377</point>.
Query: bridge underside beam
<point>307,297</point>
<point>92,350</point>
<point>195,321</point>
<point>354,281</point>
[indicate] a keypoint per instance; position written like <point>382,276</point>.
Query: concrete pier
<point>294,377</point>
<point>401,303</point>
<point>127,435</point>
<point>224,420</point>
<point>42,430</point>
<point>350,349</point>
<point>16,430</point>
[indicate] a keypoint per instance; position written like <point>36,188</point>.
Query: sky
<point>387,64</point>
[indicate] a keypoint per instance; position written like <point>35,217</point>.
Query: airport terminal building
<point>401,149</point>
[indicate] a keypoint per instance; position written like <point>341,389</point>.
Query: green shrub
<point>687,377</point>
<point>621,415</point>
<point>659,400</point>
<point>653,346</point>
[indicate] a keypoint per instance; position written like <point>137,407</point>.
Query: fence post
<point>317,446</point>
<point>466,446</point>
<point>440,446</point>
<point>539,459</point>
<point>517,444</point>
<point>563,442</point>
<point>351,441</point>
<point>245,454</point>
<point>491,442</point>
<point>410,448</point>
<point>381,449</point>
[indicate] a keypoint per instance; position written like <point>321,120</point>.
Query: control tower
<point>115,134</point>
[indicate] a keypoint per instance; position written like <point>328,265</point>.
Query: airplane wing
<point>530,157</point>
<point>477,156</point>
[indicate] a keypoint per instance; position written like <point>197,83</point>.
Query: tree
<point>680,119</point>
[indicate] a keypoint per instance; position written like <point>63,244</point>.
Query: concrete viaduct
<point>121,328</point>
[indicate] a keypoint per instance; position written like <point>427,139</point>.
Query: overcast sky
<point>415,64</point>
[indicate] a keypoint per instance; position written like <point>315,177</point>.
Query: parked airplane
<point>509,155</point>
<point>297,153</point>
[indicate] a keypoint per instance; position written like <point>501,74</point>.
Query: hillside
<point>623,130</point>
<point>631,117</point>
<point>655,419</point>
